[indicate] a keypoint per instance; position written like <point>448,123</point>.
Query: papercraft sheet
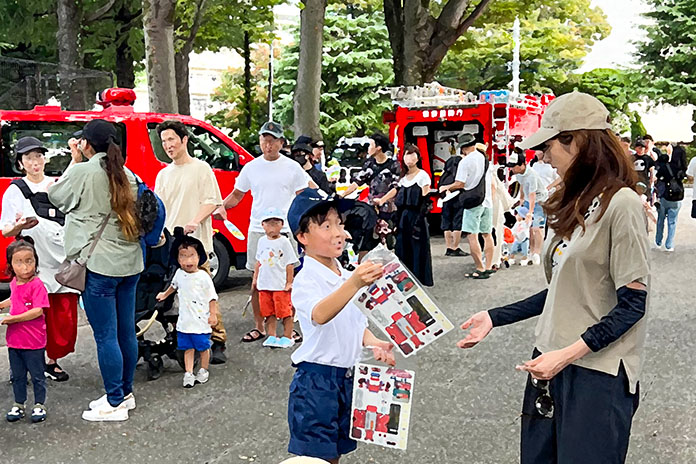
<point>399,306</point>
<point>382,398</point>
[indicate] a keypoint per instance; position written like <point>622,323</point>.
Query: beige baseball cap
<point>570,112</point>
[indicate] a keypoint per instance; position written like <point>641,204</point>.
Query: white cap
<point>272,213</point>
<point>570,112</point>
<point>304,460</point>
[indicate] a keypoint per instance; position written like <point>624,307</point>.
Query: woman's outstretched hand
<point>479,326</point>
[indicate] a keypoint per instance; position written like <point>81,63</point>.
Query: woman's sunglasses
<point>544,402</point>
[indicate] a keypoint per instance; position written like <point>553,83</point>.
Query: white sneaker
<point>669,250</point>
<point>524,262</point>
<point>189,380</point>
<point>202,376</point>
<point>536,259</point>
<point>106,413</point>
<point>128,402</point>
<point>511,261</point>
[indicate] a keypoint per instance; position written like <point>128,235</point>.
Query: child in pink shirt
<point>26,328</point>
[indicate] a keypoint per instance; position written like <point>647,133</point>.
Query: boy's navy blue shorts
<point>319,411</point>
<point>187,341</point>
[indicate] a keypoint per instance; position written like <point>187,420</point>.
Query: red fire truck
<point>432,115</point>
<point>144,156</point>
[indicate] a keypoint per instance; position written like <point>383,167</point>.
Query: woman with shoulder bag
<point>583,381</point>
<point>102,229</point>
<point>669,173</point>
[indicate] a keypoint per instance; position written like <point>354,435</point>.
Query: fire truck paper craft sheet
<point>399,306</point>
<point>382,398</point>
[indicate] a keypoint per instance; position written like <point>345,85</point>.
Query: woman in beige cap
<point>582,388</point>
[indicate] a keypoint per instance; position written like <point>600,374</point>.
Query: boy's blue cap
<point>522,211</point>
<point>309,199</point>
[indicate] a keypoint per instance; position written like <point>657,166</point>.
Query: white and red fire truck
<point>430,116</point>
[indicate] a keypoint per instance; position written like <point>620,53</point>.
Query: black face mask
<point>301,158</point>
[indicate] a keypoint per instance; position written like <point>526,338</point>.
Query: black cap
<point>182,239</point>
<point>515,159</point>
<point>27,144</point>
<point>641,143</point>
<point>98,133</point>
<point>272,128</point>
<point>306,139</point>
<point>301,147</point>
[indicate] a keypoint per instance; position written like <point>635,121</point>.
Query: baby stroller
<point>155,278</point>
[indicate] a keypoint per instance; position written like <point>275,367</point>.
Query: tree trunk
<point>419,41</point>
<point>308,88</point>
<point>247,80</point>
<point>69,61</point>
<point>158,24</point>
<point>183,93</point>
<point>125,65</point>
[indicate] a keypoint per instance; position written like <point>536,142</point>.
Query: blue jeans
<point>520,247</point>
<point>110,308</point>
<point>670,210</point>
<point>21,362</point>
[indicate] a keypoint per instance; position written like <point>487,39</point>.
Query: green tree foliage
<point>231,92</point>
<point>356,64</point>
<point>668,52</point>
<point>556,35</point>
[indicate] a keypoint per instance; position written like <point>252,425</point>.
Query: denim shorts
<point>319,411</point>
<point>538,216</point>
<point>198,342</point>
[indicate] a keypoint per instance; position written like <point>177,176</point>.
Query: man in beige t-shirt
<point>190,193</point>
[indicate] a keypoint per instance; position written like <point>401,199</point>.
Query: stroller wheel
<point>154,367</point>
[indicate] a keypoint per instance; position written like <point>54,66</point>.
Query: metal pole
<point>516,58</point>
<point>270,84</point>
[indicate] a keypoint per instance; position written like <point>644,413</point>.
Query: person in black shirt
<point>302,153</point>
<point>669,174</point>
<point>643,164</point>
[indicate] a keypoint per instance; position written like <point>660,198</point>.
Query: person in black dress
<point>412,203</point>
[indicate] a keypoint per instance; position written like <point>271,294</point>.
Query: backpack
<point>472,198</point>
<point>672,189</point>
<point>151,213</point>
<point>40,202</point>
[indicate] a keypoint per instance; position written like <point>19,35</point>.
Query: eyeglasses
<point>544,402</point>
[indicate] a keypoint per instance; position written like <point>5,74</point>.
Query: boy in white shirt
<point>197,298</point>
<point>521,233</point>
<point>273,276</point>
<point>335,331</point>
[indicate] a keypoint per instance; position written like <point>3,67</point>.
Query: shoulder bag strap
<point>23,187</point>
<point>98,236</point>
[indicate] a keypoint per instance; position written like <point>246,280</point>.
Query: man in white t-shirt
<point>479,219</point>
<point>273,181</point>
<point>190,193</point>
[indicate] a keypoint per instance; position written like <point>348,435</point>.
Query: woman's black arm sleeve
<point>519,311</point>
<point>628,311</point>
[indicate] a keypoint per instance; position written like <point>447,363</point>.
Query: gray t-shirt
<point>530,181</point>
<point>584,274</point>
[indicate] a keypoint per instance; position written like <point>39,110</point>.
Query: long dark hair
<point>600,167</point>
<point>410,148</point>
<point>122,199</point>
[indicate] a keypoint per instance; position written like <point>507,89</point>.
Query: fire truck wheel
<point>219,263</point>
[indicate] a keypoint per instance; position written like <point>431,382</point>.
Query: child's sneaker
<point>536,259</point>
<point>106,413</point>
<point>38,414</point>
<point>189,380</point>
<point>16,413</point>
<point>285,342</point>
<point>524,262</point>
<point>202,376</point>
<point>510,262</point>
<point>128,402</point>
<point>271,342</point>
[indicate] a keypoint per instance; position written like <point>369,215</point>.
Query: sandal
<point>253,335</point>
<point>490,271</point>
<point>477,275</point>
<point>296,336</point>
